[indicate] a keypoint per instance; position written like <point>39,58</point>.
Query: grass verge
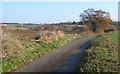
<point>102,55</point>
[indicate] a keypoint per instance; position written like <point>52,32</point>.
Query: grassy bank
<point>32,50</point>
<point>102,55</point>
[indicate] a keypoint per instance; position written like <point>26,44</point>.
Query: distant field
<point>79,25</point>
<point>22,26</point>
<point>18,28</point>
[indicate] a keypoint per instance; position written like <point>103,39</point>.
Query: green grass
<point>32,51</point>
<point>114,36</point>
<point>102,55</point>
<point>0,65</point>
<point>79,25</point>
<point>29,26</point>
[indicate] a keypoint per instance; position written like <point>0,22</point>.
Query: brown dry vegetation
<point>66,28</point>
<point>10,44</point>
<point>50,36</point>
<point>88,32</point>
<point>13,41</point>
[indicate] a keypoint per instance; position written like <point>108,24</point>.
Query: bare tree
<point>97,20</point>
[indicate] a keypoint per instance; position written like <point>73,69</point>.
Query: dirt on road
<point>65,59</point>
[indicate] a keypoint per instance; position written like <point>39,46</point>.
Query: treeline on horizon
<point>61,23</point>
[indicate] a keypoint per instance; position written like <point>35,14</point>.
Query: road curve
<point>65,59</point>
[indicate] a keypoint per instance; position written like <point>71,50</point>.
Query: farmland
<point>19,43</point>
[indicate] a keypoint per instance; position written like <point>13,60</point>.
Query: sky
<point>59,0</point>
<point>52,12</point>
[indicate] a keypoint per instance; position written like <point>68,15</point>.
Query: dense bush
<point>50,36</point>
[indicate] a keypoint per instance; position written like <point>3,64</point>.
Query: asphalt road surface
<point>65,59</point>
